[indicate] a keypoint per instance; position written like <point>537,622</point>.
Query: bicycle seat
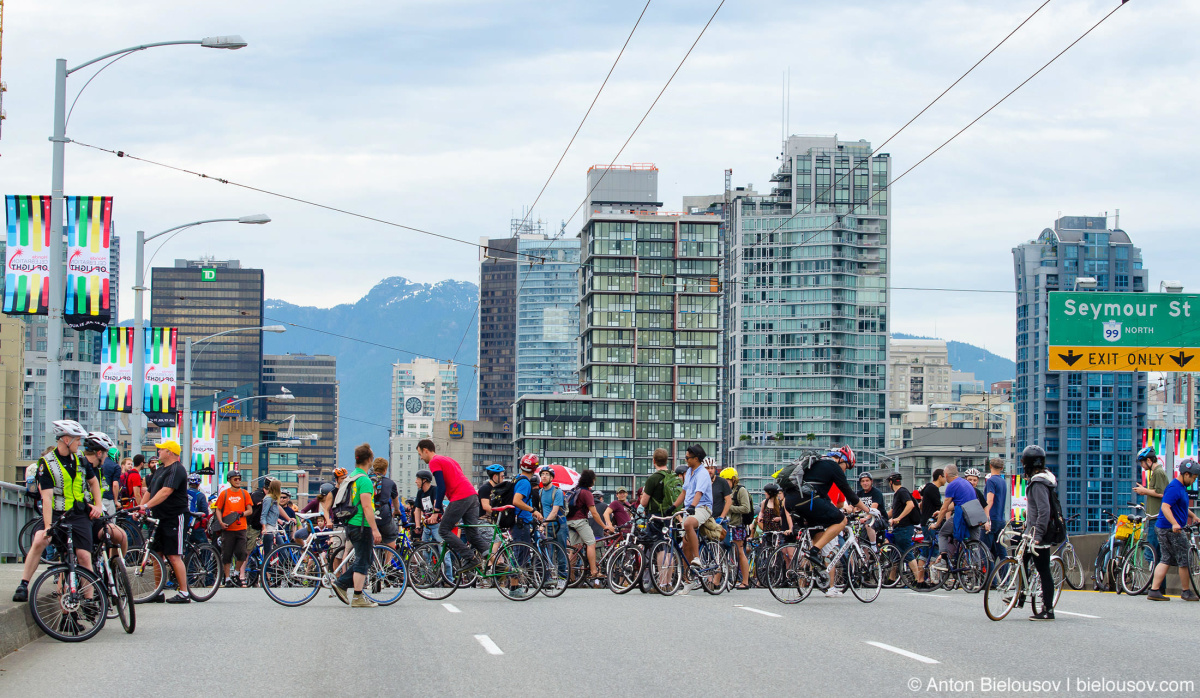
<point>310,515</point>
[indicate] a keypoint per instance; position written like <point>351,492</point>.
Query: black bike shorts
<point>83,532</point>
<point>811,512</point>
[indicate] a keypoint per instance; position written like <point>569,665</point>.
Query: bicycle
<point>110,568</point>
<point>293,574</point>
<point>968,566</point>
<point>1011,579</point>
<point>1125,562</point>
<point>149,573</point>
<point>70,603</point>
<point>577,558</point>
<point>1072,570</point>
<point>855,564</point>
<point>515,568</point>
<point>669,571</point>
<point>556,559</point>
<point>1193,532</point>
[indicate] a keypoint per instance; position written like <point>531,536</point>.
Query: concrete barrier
<point>17,628</point>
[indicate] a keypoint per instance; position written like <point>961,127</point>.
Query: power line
<point>363,341</point>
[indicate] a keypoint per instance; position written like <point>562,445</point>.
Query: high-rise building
<point>807,316</point>
<point>497,328</point>
<point>202,297</point>
<point>547,315</point>
<point>1088,422</point>
<point>918,373</point>
<point>313,383</point>
<point>423,388</point>
<point>623,189</point>
<point>12,403</point>
<point>648,351</point>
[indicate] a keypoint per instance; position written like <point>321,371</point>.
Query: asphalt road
<point>590,642</point>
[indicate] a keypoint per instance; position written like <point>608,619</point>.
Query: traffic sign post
<point>1123,331</point>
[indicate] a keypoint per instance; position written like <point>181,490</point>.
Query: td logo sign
<point>208,274</point>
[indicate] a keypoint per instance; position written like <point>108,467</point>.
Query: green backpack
<point>671,487</point>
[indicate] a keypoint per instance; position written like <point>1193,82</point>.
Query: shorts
<point>83,532</point>
<point>168,537</point>
<point>389,530</point>
<point>814,513</point>
<point>252,536</point>
<point>738,533</point>
<point>233,544</point>
<point>702,514</point>
<point>902,537</point>
<point>581,530</point>
<point>1173,548</point>
<point>110,507</point>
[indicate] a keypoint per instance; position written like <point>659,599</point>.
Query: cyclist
<point>387,505</point>
<point>958,493</point>
<point>1172,519</point>
<point>95,449</point>
<point>817,509</point>
<point>773,514</point>
<point>495,492</point>
<point>904,519</point>
<point>1156,484</point>
<point>1040,493</point>
<point>197,502</point>
<point>740,510</point>
<point>110,472</point>
<point>232,505</point>
<point>869,492</point>
<point>130,488</point>
<point>696,497</point>
<point>523,489</point>
<point>62,475</point>
<point>463,505</point>
<point>554,510</point>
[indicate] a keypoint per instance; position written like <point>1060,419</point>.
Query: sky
<point>448,115</point>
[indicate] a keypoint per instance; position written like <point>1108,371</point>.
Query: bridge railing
<point>14,512</point>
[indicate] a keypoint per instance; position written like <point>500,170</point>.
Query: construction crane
<point>3,87</point>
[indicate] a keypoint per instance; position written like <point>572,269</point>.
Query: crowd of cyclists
<point>686,528</point>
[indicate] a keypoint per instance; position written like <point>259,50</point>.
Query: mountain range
<point>396,321</point>
<point>399,319</point>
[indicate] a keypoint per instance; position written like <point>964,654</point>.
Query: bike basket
<point>1124,528</point>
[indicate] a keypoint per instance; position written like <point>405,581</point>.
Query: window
<point>246,440</point>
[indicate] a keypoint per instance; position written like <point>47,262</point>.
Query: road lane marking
<point>755,610</point>
<point>932,596</point>
<point>903,653</point>
<point>1081,615</point>
<point>491,647</point>
<point>451,607</point>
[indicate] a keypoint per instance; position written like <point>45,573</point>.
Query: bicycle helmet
<point>1033,458</point>
<point>326,488</point>
<point>529,462</point>
<point>546,469</point>
<point>69,427</point>
<point>729,473</point>
<point>771,489</point>
<point>846,454</point>
<point>339,472</point>
<point>425,475</point>
<point>494,469</point>
<point>895,477</point>
<point>1146,453</point>
<point>97,441</point>
<point>1188,466</point>
<point>971,472</point>
<point>194,479</point>
<point>681,470</point>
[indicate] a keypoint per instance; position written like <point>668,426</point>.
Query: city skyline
<point>239,115</point>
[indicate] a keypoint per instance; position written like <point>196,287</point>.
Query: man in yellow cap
<point>167,499</point>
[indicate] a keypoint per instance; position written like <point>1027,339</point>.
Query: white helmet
<point>98,441</point>
<point>68,427</point>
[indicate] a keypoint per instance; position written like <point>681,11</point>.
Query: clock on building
<point>413,405</point>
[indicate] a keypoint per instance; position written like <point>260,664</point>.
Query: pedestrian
<point>362,532</point>
<point>232,506</point>
<point>1156,484</point>
<point>463,506</point>
<point>1041,493</point>
<point>130,488</point>
<point>772,513</point>
<point>1172,517</point>
<point>387,497</point>
<point>577,519</point>
<point>167,499</point>
<point>272,514</point>
<point>995,493</point>
<point>741,509</point>
<point>617,515</point>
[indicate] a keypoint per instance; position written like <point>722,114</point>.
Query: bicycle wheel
<point>133,533</point>
<point>1194,565</point>
<point>203,565</point>
<point>292,575</point>
<point>557,564</point>
<point>577,559</point>
<point>864,574</point>
<point>1100,568</point>
<point>25,537</point>
<point>1137,570</point>
<point>624,569</point>
<point>426,575</point>
<point>666,568</point>
<point>973,566</point>
<point>254,564</point>
<point>122,596</point>
<point>65,615</point>
<point>891,561</point>
<point>387,577</point>
<point>917,573</point>
<point>1004,588</point>
<point>790,575</point>
<point>147,574</point>
<point>713,572</point>
<point>517,571</point>
<point>1072,570</point>
<point>1034,582</point>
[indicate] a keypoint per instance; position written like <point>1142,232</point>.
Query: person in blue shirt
<point>995,490</point>
<point>696,497</point>
<point>197,501</point>
<point>958,493</point>
<point>523,500</point>
<point>1172,541</point>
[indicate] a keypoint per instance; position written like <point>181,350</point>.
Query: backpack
<point>671,487</point>
<point>345,505</point>
<point>254,519</point>
<point>569,499</point>
<point>791,478</point>
<point>502,496</point>
<point>1056,527</point>
<point>32,488</point>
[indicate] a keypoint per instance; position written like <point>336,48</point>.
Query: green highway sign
<point>208,274</point>
<point>1123,331</point>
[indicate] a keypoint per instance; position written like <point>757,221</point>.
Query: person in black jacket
<point>1038,493</point>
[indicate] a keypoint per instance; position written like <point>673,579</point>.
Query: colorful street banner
<point>204,440</point>
<point>1017,499</point>
<point>116,370</point>
<point>27,256</point>
<point>171,431</point>
<point>1184,443</point>
<point>158,396</point>
<point>89,229</point>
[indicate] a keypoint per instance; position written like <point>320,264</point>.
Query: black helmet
<point>771,488</point>
<point>681,470</point>
<point>425,475</point>
<point>1033,458</point>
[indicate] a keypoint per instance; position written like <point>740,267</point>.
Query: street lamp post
<point>185,430</point>
<point>139,339</point>
<point>54,315</point>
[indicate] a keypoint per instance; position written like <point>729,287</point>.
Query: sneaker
<point>695,563</point>
<point>1189,595</point>
<point>1156,595</point>
<point>179,598</point>
<point>361,601</point>
<point>1043,615</point>
<point>159,598</point>
<point>834,593</point>
<point>468,564</point>
<point>940,565</point>
<point>21,595</point>
<point>815,556</point>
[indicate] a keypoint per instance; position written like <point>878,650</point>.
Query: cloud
<point>449,115</point>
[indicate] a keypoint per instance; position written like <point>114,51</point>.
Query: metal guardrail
<point>14,512</point>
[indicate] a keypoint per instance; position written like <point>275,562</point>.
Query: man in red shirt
<point>463,505</point>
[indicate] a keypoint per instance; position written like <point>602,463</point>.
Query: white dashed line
<point>903,653</point>
<point>488,645</point>
<point>755,610</point>
<point>451,607</point>
<point>1081,615</point>
<point>932,596</point>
